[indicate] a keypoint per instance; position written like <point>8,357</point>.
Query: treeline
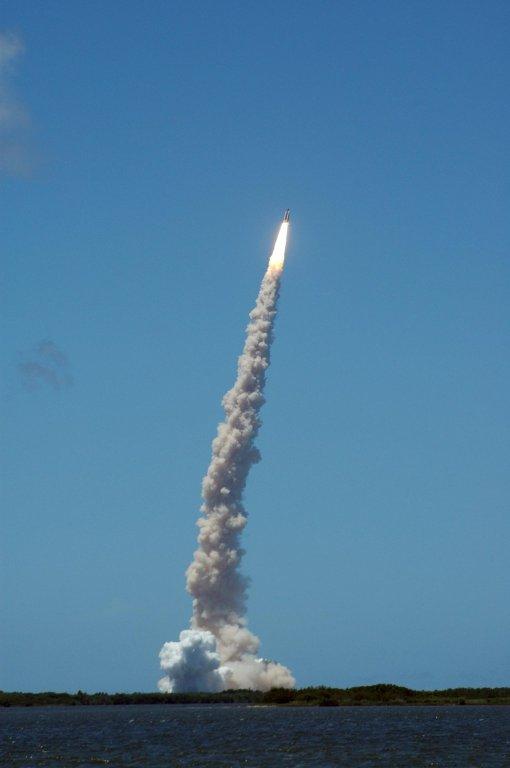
<point>321,696</point>
<point>49,698</point>
<point>383,693</point>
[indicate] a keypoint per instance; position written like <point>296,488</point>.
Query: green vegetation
<point>384,694</point>
<point>91,699</point>
<point>304,697</point>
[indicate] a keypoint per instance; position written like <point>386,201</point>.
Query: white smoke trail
<point>219,651</point>
<point>15,154</point>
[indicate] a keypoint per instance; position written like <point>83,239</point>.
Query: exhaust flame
<point>219,652</point>
<point>277,258</point>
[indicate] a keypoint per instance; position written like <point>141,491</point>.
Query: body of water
<point>231,736</point>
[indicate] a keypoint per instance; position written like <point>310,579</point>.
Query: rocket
<point>286,215</point>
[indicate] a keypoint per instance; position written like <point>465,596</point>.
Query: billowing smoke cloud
<point>193,662</point>
<point>14,121</point>
<point>219,651</point>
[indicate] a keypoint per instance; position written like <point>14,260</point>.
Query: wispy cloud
<point>15,156</point>
<point>45,365</point>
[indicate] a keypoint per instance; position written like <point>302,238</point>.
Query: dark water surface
<point>259,737</point>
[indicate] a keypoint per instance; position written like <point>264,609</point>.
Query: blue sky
<point>159,145</point>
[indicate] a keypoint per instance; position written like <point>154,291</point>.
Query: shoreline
<point>321,696</point>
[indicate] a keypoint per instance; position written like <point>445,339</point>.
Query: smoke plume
<point>219,651</point>
<point>45,365</point>
<point>15,157</point>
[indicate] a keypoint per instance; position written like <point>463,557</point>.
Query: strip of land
<point>322,696</point>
